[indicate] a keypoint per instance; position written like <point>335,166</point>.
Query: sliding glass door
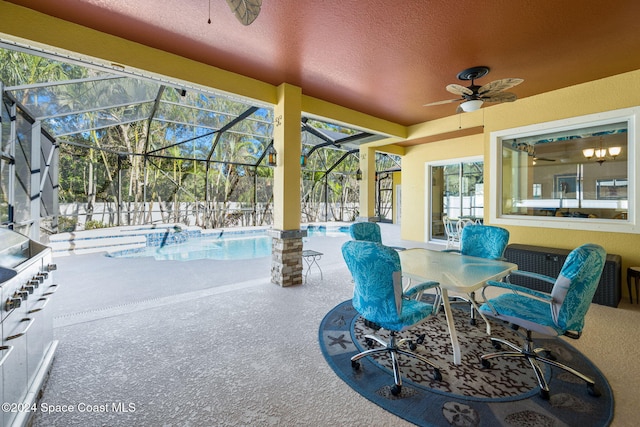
<point>456,192</point>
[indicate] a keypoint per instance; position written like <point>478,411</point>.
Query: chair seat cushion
<point>526,312</point>
<point>413,312</point>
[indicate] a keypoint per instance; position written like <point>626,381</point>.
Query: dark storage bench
<point>549,261</point>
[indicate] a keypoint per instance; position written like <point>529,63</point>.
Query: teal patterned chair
<point>484,241</point>
<point>561,312</point>
<point>378,298</point>
<point>368,232</point>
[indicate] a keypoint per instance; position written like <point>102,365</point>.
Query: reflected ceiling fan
<point>531,152</point>
<point>245,10</point>
<point>474,96</point>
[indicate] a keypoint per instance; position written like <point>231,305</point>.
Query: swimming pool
<point>220,248</point>
<point>235,245</point>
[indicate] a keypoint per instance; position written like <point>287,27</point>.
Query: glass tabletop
<point>453,271</point>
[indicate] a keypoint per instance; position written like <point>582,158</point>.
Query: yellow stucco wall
<point>622,91</point>
<point>414,208</point>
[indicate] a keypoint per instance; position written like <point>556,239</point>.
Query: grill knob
<point>52,267</point>
<point>33,282</point>
<point>12,303</point>
<point>44,274</point>
<point>29,288</point>
<point>38,278</point>
<point>22,294</point>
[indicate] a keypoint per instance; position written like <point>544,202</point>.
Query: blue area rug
<point>506,394</point>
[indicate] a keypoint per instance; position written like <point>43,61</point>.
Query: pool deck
<point>96,285</point>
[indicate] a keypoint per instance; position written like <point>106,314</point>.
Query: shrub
<point>66,224</point>
<point>92,225</point>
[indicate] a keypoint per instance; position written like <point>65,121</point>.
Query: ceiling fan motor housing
<point>473,73</point>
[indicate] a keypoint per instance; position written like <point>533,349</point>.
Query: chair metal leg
<point>369,353</point>
<point>590,382</point>
<point>534,357</point>
<point>391,347</point>
<point>542,382</point>
<point>396,369</point>
<point>377,339</point>
<point>507,343</point>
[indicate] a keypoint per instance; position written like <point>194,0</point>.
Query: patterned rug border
<point>422,405</point>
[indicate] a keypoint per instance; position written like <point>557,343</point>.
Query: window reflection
<point>577,173</point>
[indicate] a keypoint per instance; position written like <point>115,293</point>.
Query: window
<point>456,191</point>
<point>575,173</point>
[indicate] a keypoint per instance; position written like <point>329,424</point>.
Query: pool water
<point>235,246</point>
<point>207,248</point>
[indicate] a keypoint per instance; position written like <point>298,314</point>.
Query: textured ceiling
<point>384,58</point>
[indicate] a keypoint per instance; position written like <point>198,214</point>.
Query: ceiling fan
<point>474,95</point>
<point>245,10</point>
<point>531,152</point>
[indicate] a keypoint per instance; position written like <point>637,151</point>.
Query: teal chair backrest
<point>377,273</point>
<point>485,241</point>
<point>575,286</point>
<point>367,231</point>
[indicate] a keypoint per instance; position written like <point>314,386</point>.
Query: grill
<point>549,261</point>
<point>27,350</point>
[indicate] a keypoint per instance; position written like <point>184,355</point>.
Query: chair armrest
<point>412,291</point>
<point>532,275</point>
<point>452,250</point>
<point>542,296</point>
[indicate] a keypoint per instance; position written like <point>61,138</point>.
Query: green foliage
<point>181,158</point>
<point>66,224</point>
<point>92,225</point>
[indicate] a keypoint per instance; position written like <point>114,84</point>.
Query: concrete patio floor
<point>215,343</point>
<point>95,285</point>
<point>199,343</point>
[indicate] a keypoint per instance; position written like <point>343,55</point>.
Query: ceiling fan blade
<point>459,110</point>
<point>500,97</point>
<point>448,101</point>
<point>245,10</point>
<point>544,159</point>
<point>498,86</point>
<point>458,89</point>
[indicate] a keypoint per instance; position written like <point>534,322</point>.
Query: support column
<point>34,184</point>
<point>368,185</point>
<point>286,256</point>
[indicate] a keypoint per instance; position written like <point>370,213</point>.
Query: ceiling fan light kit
<point>471,105</point>
<point>474,96</point>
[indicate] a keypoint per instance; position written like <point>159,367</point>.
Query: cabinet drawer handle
<point>44,304</point>
<point>49,291</point>
<point>19,334</point>
<point>8,349</point>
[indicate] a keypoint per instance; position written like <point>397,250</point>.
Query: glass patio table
<point>457,273</point>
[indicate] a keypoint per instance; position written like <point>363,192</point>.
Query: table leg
<point>457,359</point>
<point>310,260</point>
<point>475,307</point>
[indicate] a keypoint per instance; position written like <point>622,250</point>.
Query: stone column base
<point>286,257</point>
